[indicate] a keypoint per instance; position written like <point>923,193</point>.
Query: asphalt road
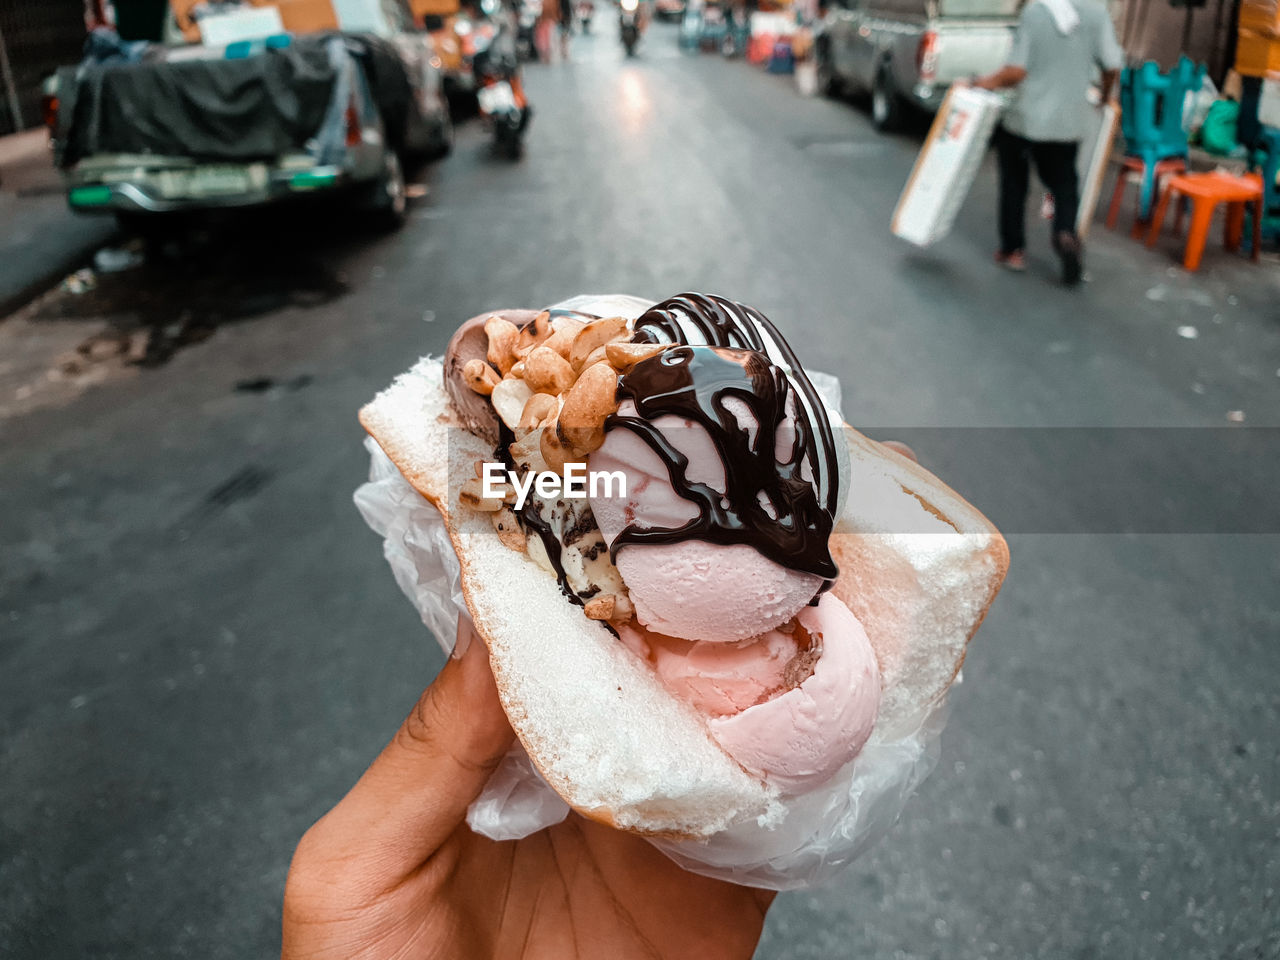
<point>202,646</point>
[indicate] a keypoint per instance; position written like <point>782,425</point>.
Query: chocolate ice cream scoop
<point>470,342</point>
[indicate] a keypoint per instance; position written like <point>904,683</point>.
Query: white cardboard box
<point>947,165</point>
<point>250,23</point>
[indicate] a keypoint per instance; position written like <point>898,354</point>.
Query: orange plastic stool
<point>1206,191</point>
<point>1136,167</point>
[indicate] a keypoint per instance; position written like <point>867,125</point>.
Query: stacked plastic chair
<point>1151,105</point>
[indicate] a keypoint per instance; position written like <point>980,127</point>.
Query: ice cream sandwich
<point>702,593</point>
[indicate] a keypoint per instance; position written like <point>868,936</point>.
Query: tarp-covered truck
<point>168,128</point>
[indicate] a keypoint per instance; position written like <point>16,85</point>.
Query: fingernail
<point>462,640</point>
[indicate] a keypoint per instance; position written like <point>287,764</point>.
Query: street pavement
<point>202,646</point>
<point>40,238</point>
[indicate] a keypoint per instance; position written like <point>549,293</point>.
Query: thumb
<point>417,791</point>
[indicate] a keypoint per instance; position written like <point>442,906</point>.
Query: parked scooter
<point>500,93</point>
<point>629,22</point>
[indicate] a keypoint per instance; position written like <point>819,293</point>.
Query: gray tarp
<point>240,110</point>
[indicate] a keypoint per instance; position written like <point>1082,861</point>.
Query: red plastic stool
<point>1136,167</point>
<point>1206,191</point>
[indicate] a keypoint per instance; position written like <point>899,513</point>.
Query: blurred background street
<point>203,647</point>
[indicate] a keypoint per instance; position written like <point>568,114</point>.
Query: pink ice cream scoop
<point>692,589</point>
<point>732,463</point>
<point>803,736</point>
<point>718,679</point>
<point>792,706</point>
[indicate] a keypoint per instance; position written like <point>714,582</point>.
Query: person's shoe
<point>1015,261</point>
<point>1068,247</point>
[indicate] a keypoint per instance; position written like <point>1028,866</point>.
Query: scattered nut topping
<point>509,532</point>
<point>598,355</point>
<point>553,450</point>
<point>613,607</point>
<point>586,405</point>
<point>547,372</point>
<point>503,337</point>
<point>533,334</point>
<point>625,355</point>
<point>594,335</point>
<point>480,377</point>
<point>558,383</point>
<point>622,609</point>
<point>472,494</point>
<point>526,452</point>
<point>540,408</point>
<point>509,397</point>
<point>563,334</point>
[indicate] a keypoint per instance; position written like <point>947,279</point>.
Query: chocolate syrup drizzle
<point>726,349</point>
<point>531,519</point>
<point>529,515</point>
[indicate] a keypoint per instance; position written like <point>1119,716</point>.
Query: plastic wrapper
<point>825,828</point>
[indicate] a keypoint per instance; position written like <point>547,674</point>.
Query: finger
<point>462,641</point>
<point>897,446</point>
<point>671,902</point>
<point>418,789</point>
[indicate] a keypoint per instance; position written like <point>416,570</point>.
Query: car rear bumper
<point>129,189</point>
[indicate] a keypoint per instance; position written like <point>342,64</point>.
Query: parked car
<point>905,53</point>
<point>153,131</point>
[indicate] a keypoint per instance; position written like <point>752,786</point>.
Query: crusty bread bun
<point>919,567</point>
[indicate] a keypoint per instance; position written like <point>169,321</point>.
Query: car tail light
<point>354,134</point>
<point>927,57</point>
<point>49,110</point>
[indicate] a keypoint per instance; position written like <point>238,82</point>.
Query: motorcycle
<point>500,94</point>
<point>629,22</point>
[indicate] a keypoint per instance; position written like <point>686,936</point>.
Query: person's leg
<point>1248,127</point>
<point>1011,154</point>
<point>1056,165</point>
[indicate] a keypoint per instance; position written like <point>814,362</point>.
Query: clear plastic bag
<point>824,830</point>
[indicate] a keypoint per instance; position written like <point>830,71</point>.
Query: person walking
<point>1056,48</point>
<point>566,27</point>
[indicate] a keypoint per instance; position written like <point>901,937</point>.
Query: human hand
<point>394,871</point>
